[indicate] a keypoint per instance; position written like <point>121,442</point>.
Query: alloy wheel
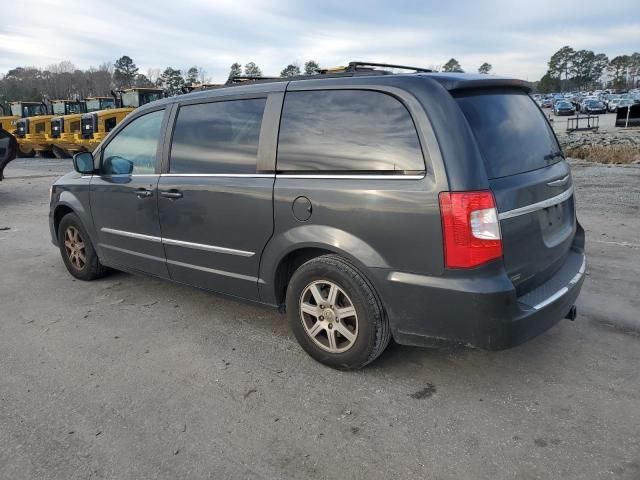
<point>328,316</point>
<point>75,247</point>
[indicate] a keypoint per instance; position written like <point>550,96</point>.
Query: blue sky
<point>516,37</point>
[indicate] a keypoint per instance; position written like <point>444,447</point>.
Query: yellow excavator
<point>96,126</point>
<point>18,111</point>
<point>35,133</point>
<point>66,128</point>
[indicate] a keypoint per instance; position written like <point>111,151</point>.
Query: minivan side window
<point>217,137</point>
<point>133,150</point>
<point>344,131</point>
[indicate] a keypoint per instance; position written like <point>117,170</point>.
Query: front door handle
<point>143,193</point>
<point>172,194</point>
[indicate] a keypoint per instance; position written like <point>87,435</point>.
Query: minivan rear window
<point>510,130</point>
<point>347,131</point>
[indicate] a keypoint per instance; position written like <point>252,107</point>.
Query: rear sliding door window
<point>344,131</point>
<point>511,131</point>
<point>218,137</point>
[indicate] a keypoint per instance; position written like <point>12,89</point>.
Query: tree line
<point>65,81</point>
<point>570,69</point>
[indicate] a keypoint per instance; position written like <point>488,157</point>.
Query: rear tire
<point>335,313</point>
<point>77,251</point>
<point>47,154</point>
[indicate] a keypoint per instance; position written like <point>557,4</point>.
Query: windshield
<point>564,105</point>
<point>148,97</point>
<point>76,107</point>
<point>136,99</point>
<point>58,108</point>
<point>512,133</point>
<point>25,110</point>
<point>96,104</point>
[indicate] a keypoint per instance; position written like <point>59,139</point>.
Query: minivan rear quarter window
<point>347,131</point>
<point>217,137</point>
<point>511,131</point>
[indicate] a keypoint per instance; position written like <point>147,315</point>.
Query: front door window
<point>133,150</point>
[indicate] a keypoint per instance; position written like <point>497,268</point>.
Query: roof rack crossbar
<point>248,78</point>
<point>354,66</point>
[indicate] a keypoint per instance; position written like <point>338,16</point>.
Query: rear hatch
<point>530,180</point>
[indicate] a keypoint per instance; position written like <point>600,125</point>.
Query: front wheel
<point>60,153</point>
<point>335,313</point>
<point>77,251</point>
<point>24,152</point>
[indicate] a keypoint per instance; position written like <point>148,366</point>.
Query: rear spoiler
<point>464,81</point>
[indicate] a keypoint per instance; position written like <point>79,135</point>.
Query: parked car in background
<point>594,107</point>
<point>546,103</point>
<point>563,108</point>
<point>609,99</point>
<point>612,104</point>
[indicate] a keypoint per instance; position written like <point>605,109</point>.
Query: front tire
<point>77,251</point>
<point>335,313</point>
<point>22,153</point>
<point>60,153</point>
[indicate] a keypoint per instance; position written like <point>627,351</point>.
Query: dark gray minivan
<point>426,207</point>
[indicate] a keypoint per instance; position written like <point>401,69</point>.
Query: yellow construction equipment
<point>66,128</point>
<point>35,133</point>
<point>95,126</point>
<point>21,110</point>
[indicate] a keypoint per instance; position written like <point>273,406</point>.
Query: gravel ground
<point>136,378</point>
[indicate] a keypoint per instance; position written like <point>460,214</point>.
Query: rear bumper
<point>479,310</point>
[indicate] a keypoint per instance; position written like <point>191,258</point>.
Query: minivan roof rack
<point>352,69</point>
<point>370,66</point>
<point>239,79</point>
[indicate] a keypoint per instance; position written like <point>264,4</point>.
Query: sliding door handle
<point>172,194</point>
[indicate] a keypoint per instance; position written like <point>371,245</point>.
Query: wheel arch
<point>68,202</point>
<point>58,214</point>
<point>289,250</point>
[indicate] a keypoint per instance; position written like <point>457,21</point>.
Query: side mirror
<point>83,163</point>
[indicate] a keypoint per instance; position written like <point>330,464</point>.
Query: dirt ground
<point>135,378</point>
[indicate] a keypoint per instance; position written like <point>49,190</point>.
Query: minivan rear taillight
<point>470,228</point>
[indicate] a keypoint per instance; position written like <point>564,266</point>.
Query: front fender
<point>76,198</point>
<point>332,239</point>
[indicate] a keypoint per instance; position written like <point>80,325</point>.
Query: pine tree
<point>452,66</point>
<point>235,70</point>
<point>290,70</point>
<point>172,81</point>
<point>485,68</point>
<point>124,72</point>
<point>311,67</point>
<point>252,70</point>
<point>192,76</point>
